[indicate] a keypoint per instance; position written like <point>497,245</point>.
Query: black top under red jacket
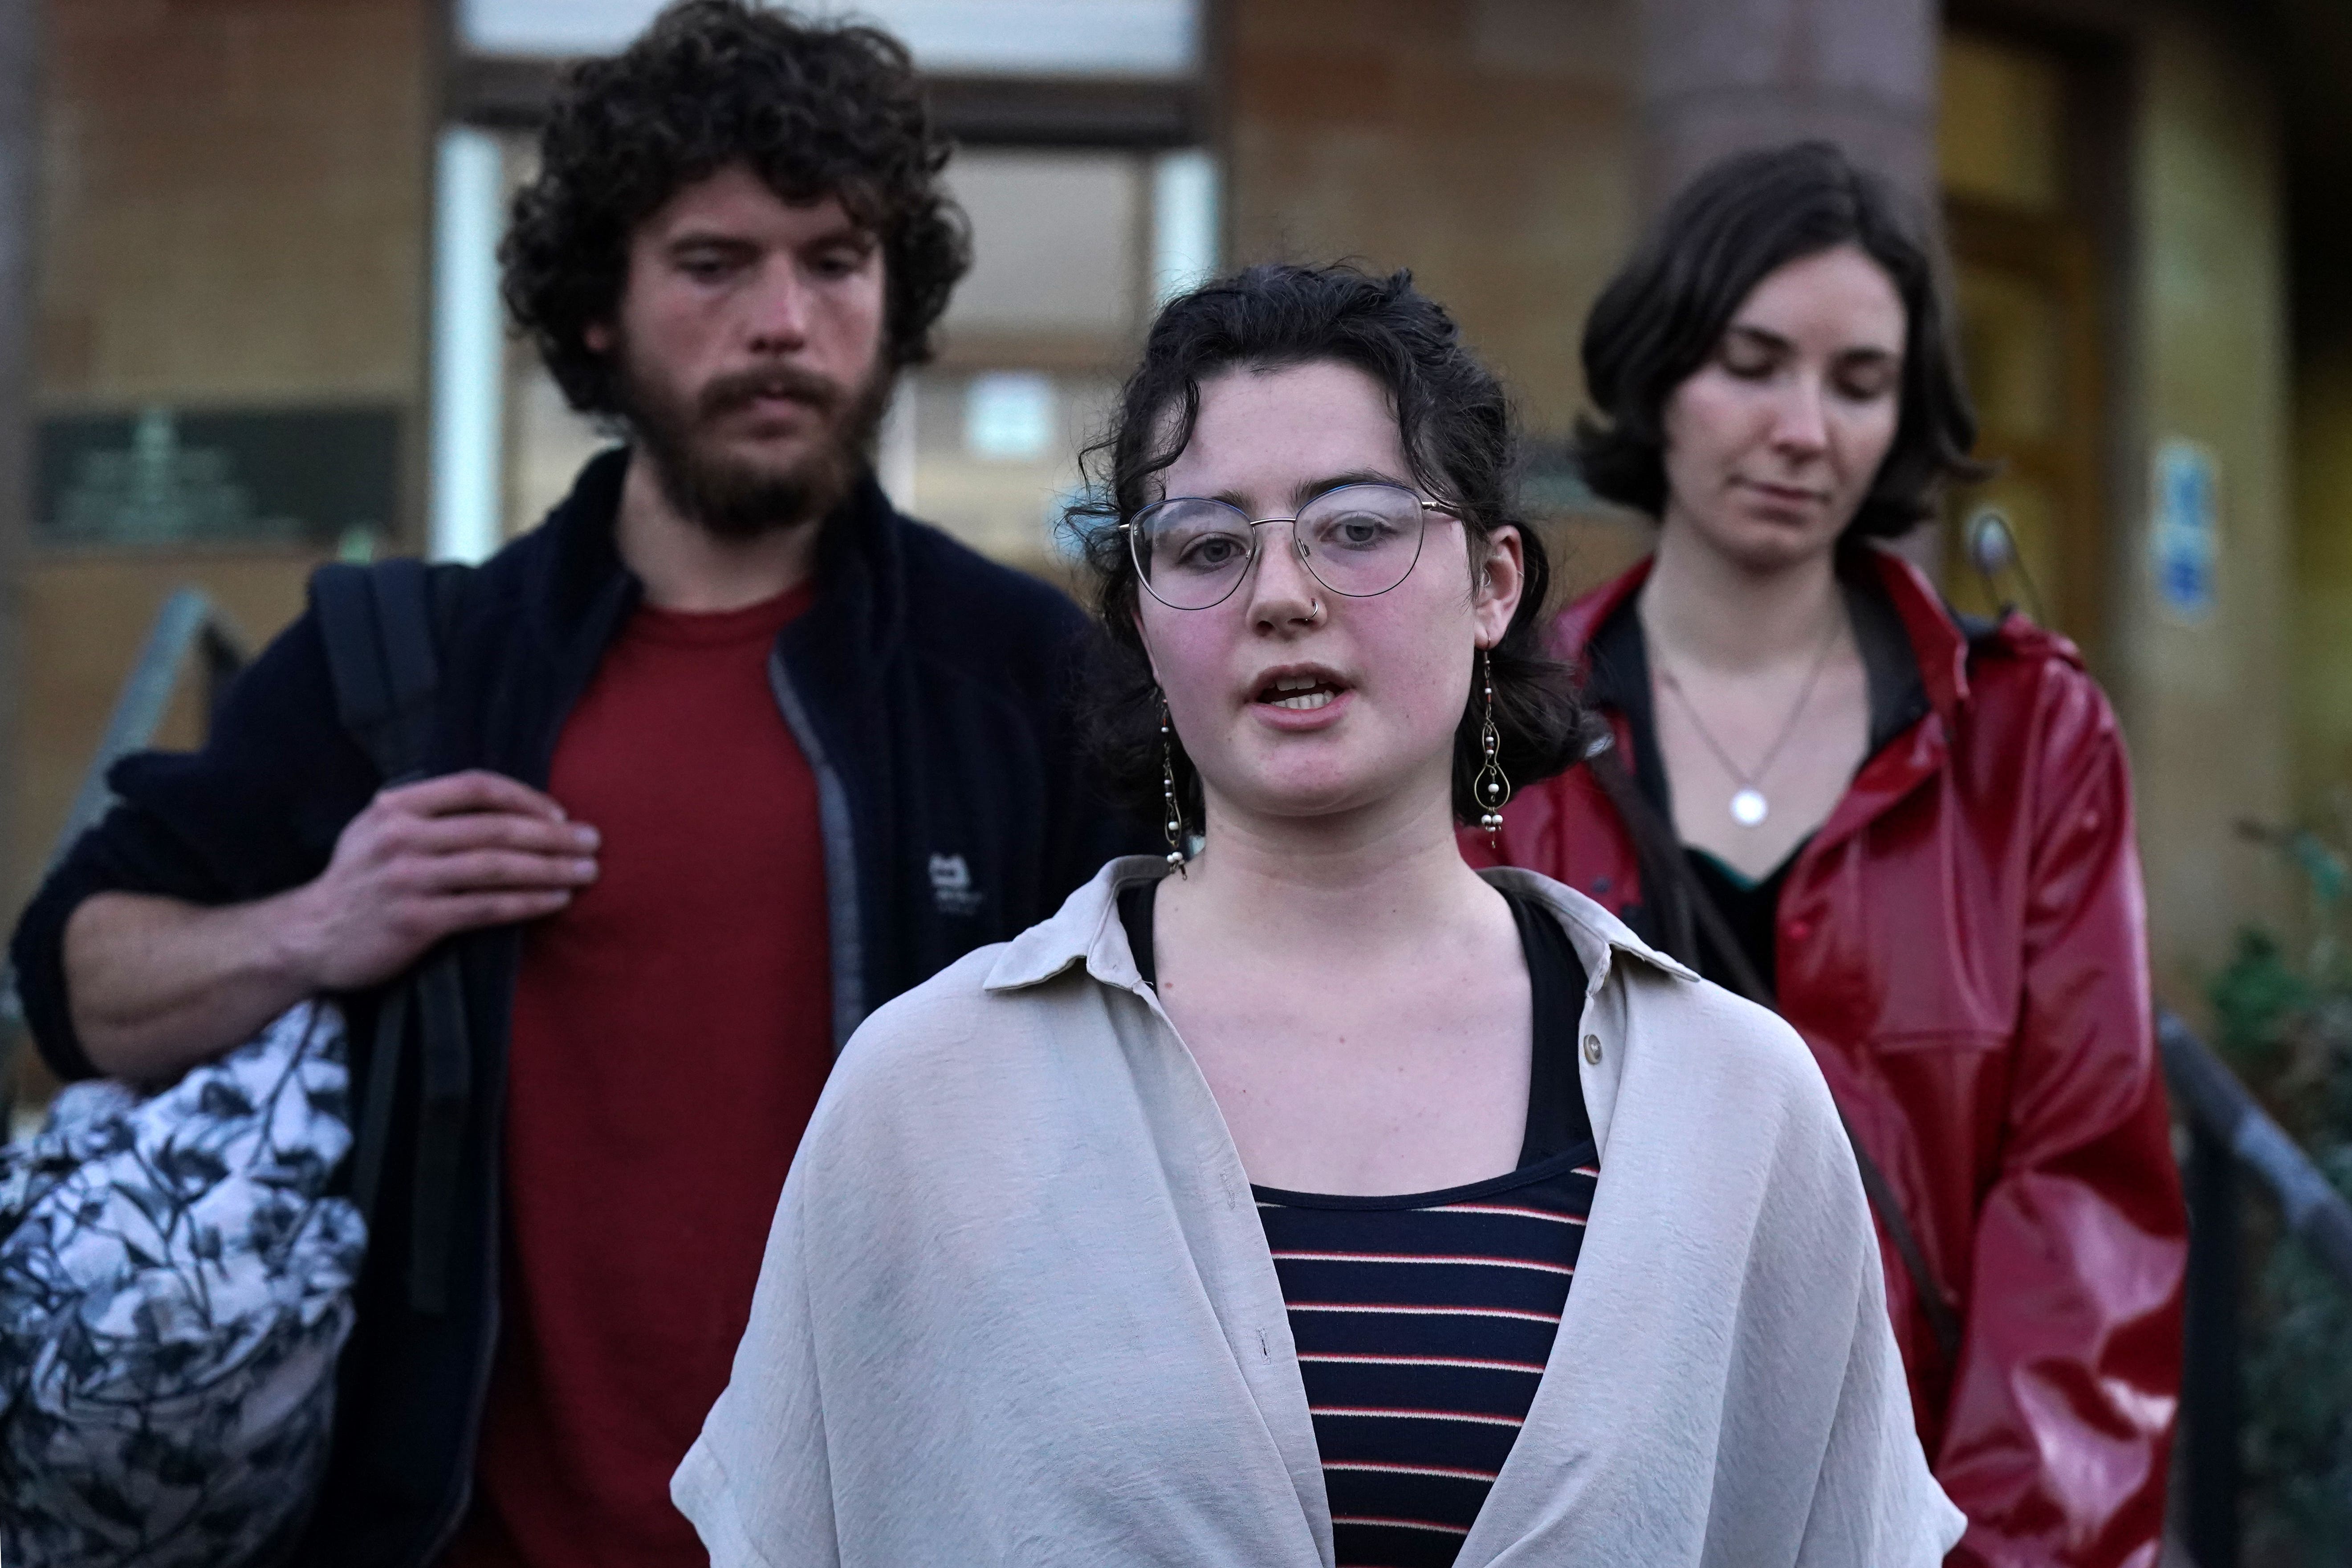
<point>927,687</point>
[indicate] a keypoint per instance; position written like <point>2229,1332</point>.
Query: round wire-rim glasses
<point>1357,541</point>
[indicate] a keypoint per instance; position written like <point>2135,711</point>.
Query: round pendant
<point>1749,808</point>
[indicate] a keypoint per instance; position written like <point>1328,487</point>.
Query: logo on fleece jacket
<point>952,886</point>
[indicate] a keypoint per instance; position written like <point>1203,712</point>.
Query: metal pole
<point>19,159</point>
<point>2210,1387</point>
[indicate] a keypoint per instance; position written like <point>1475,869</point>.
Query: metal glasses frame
<point>1134,533</point>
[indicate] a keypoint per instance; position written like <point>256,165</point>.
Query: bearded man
<point>727,753</point>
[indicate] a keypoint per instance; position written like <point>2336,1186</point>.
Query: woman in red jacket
<point>1909,832</point>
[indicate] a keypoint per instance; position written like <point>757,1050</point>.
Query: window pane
<point>1054,242</point>
<point>1066,249</point>
<point>995,454</point>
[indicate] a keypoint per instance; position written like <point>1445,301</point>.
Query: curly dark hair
<point>1459,438</point>
<point>814,110</point>
<point>1740,220</point>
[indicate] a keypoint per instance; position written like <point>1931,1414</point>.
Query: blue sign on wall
<point>2184,533</point>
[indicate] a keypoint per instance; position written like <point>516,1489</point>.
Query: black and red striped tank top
<point>1423,1320</point>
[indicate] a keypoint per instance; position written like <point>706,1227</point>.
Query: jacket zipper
<point>838,830</point>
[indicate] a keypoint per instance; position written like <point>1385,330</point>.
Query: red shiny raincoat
<point>1962,943</point>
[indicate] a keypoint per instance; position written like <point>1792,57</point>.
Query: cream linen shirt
<point>1017,1308</point>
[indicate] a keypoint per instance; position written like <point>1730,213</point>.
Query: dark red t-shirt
<point>672,1029</point>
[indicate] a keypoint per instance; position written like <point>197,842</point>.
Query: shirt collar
<point>1086,930</point>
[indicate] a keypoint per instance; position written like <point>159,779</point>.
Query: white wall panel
<point>1028,37</point>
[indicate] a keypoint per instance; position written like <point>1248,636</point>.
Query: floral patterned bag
<point>177,1270</point>
<point>175,1283</point>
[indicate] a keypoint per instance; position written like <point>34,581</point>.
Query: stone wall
<point>1485,143</point>
<point>234,211</point>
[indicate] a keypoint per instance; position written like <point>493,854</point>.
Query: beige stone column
<point>1717,76</point>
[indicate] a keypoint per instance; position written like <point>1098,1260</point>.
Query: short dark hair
<point>1459,439</point>
<point>1742,219</point>
<point>813,109</point>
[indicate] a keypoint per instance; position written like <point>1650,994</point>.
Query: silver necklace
<point>1749,806</point>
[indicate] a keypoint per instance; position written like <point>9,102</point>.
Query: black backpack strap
<point>1655,842</point>
<point>382,626</point>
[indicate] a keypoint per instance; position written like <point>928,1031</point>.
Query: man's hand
<point>156,984</point>
<point>427,860</point>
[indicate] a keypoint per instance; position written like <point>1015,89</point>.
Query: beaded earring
<point>1175,822</point>
<point>1492,787</point>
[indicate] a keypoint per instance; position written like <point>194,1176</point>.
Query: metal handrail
<point>2203,1085</point>
<point>188,623</point>
<point>2230,1132</point>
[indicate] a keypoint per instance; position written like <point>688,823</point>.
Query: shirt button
<point>1593,1049</point>
<point>1799,931</point>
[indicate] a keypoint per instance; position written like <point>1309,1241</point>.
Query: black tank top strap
<point>1558,1120</point>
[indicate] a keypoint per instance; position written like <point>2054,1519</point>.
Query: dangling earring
<point>1175,822</point>
<point>1492,787</point>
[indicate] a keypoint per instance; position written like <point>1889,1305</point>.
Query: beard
<point>733,496</point>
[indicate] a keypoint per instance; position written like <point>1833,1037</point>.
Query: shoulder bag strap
<point>382,626</point>
<point>378,624</point>
<point>1655,842</point>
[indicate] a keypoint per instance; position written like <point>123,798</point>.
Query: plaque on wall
<point>165,477</point>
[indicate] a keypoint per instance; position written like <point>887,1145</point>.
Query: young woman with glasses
<point>1909,831</point>
<point>1309,1198</point>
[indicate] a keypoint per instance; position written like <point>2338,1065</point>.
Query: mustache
<point>728,393</point>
